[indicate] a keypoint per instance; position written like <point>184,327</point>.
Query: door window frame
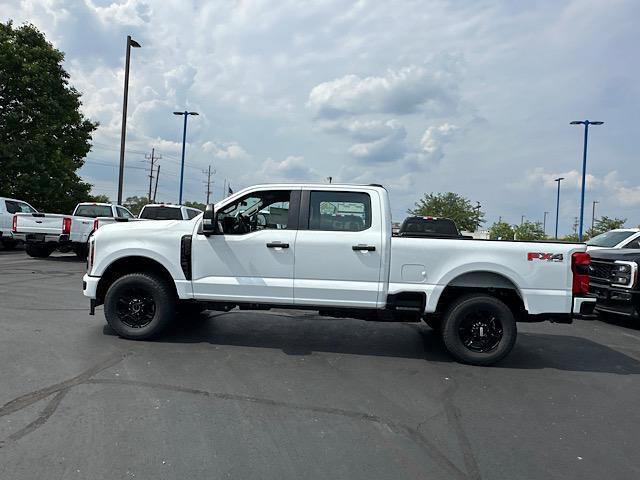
<point>305,204</point>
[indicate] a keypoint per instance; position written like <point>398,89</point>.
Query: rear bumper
<point>583,307</point>
<point>44,237</point>
<point>90,286</point>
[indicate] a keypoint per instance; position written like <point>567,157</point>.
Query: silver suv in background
<point>9,206</point>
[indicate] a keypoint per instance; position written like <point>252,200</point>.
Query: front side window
<point>18,207</point>
<point>124,213</point>
<point>93,211</point>
<point>339,211</point>
<point>256,211</point>
<point>191,213</point>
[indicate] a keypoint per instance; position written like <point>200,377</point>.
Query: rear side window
<point>191,213</point>
<point>339,211</point>
<point>93,211</point>
<point>18,207</point>
<point>161,213</point>
<point>124,213</point>
<point>436,226</point>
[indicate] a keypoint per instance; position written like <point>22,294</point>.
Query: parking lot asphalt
<point>288,394</point>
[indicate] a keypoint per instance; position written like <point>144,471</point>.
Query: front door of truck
<point>339,249</point>
<point>251,258</point>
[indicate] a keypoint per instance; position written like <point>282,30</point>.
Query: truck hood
<point>627,254</point>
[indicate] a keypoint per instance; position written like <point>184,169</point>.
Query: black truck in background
<point>613,280</point>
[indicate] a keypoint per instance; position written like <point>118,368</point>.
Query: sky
<point>421,96</point>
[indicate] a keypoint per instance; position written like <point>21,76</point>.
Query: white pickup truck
<point>330,248</point>
<point>8,207</point>
<point>45,232</point>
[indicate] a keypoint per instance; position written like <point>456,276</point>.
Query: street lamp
<point>586,124</point>
<point>558,203</point>
<point>130,43</point>
<point>184,138</point>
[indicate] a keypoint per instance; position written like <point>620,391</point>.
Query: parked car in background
<point>8,207</point>
<point>45,232</point>
<point>613,280</point>
<point>330,248</point>
<point>165,211</point>
<point>434,227</point>
<point>618,238</point>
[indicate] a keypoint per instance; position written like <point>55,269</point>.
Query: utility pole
<point>593,215</point>
<point>152,158</point>
<point>477,215</point>
<point>155,190</point>
<point>330,179</point>
<point>544,223</point>
<point>209,191</point>
<point>521,219</point>
<point>558,203</point>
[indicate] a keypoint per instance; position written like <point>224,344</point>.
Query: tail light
<point>96,224</point>
<point>580,267</point>
<point>66,225</point>
<point>92,252</point>
<point>14,225</point>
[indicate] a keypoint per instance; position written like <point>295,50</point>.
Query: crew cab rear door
<point>339,248</point>
<point>251,259</point>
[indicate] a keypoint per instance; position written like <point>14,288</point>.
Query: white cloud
<point>399,91</point>
<point>292,168</point>
<point>225,150</point>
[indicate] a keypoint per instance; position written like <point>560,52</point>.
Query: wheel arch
<point>487,282</point>
<point>132,264</point>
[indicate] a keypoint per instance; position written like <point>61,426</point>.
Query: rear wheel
<point>9,244</point>
<point>38,250</point>
<point>81,251</point>
<point>139,306</point>
<point>479,329</point>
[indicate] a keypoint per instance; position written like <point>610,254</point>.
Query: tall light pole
<point>130,43</point>
<point>558,203</point>
<point>544,223</point>
<point>593,215</point>
<point>586,124</point>
<point>184,139</point>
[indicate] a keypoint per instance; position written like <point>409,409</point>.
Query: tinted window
<point>633,244</point>
<point>124,213</point>
<point>257,211</point>
<point>436,226</point>
<point>161,213</point>
<point>339,211</point>
<point>93,211</point>
<point>609,239</point>
<point>18,207</point>
<point>191,213</point>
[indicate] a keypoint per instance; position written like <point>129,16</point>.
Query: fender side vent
<point>185,256</point>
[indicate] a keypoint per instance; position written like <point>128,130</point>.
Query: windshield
<point>161,213</point>
<point>93,211</point>
<point>609,239</point>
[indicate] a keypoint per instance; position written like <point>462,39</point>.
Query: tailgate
<point>47,223</point>
<point>81,228</point>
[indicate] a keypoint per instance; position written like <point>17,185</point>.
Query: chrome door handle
<point>277,245</point>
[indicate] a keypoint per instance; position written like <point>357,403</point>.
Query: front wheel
<point>139,306</point>
<point>479,330</point>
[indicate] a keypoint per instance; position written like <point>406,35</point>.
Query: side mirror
<point>209,221</point>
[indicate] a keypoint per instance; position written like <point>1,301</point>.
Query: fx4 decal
<point>549,257</point>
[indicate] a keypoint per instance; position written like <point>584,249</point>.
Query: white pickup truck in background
<point>167,211</point>
<point>9,207</point>
<point>45,232</point>
<point>330,248</point>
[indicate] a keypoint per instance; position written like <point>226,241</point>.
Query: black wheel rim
<point>481,331</point>
<point>136,307</point>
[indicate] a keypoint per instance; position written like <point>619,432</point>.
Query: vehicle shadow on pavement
<point>307,333</point>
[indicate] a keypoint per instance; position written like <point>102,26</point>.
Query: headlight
<point>624,274</point>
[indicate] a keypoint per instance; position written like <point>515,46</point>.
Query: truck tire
<point>9,244</point>
<point>139,306</point>
<point>479,329</point>
<point>38,251</point>
<point>81,251</point>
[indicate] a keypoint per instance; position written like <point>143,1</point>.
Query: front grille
<point>601,271</point>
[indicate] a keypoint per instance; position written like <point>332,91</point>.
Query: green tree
<point>43,135</point>
<point>604,224</point>
<point>529,231</point>
<point>450,205</point>
<point>135,204</point>
<point>198,205</point>
<point>501,231</point>
<point>100,199</point>
<point>572,237</point>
